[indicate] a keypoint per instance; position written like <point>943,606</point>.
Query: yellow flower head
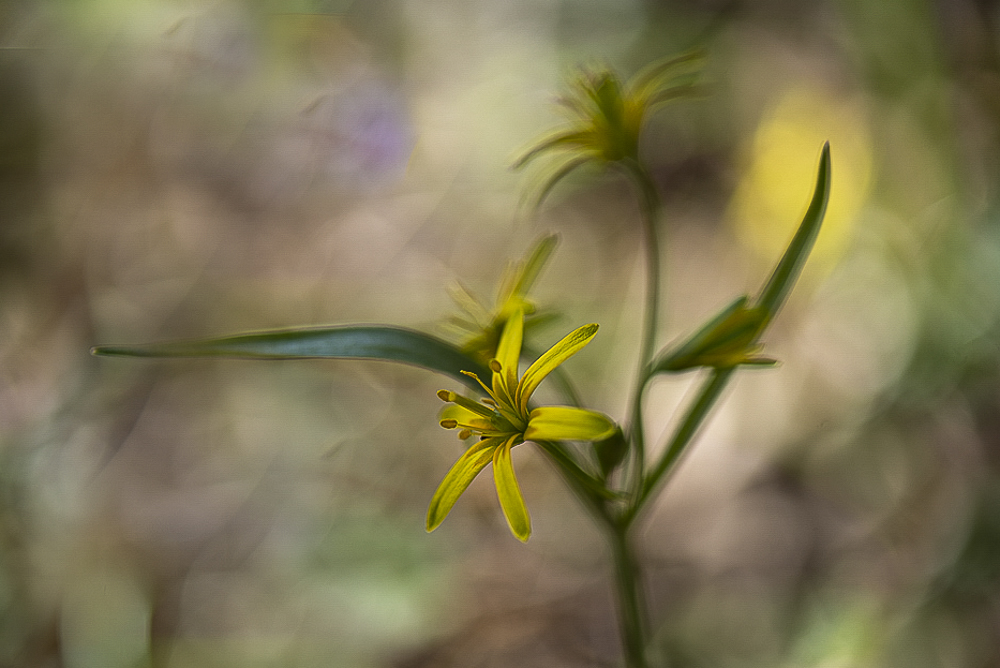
<point>607,116</point>
<point>481,326</point>
<point>504,420</point>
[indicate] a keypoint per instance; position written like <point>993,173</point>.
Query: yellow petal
<point>566,139</point>
<point>532,267</point>
<point>509,492</point>
<point>552,358</point>
<point>468,303</point>
<point>458,480</point>
<point>509,350</point>
<point>565,423</point>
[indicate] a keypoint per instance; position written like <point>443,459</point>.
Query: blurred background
<point>188,169</point>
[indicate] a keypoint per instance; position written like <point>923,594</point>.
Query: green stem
<point>581,479</point>
<point>632,612</point>
<point>628,593</point>
<point>633,615</point>
<point>633,618</point>
<point>650,206</point>
<point>696,415</point>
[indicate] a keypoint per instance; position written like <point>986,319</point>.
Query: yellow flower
<point>608,116</point>
<point>504,420</point>
<point>482,327</point>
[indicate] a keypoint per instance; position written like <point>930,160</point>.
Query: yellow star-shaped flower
<point>504,420</point>
<point>482,326</point>
<point>607,115</point>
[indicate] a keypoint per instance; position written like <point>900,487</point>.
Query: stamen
<point>446,395</point>
<point>489,402</point>
<point>464,434</point>
<point>495,366</point>
<point>448,423</point>
<point>481,383</point>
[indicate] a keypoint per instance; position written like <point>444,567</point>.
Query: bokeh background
<point>185,169</point>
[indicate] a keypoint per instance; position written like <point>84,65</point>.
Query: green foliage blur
<point>172,170</point>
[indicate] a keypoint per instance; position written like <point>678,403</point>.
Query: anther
<point>446,395</point>
<point>495,366</point>
<point>464,434</point>
<point>448,423</point>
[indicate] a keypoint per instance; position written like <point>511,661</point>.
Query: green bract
<point>727,340</point>
<point>504,420</point>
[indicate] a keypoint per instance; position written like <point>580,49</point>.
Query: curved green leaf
<point>774,292</point>
<point>730,338</point>
<point>372,342</point>
<point>767,304</point>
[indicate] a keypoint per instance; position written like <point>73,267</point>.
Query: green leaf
<point>773,295</point>
<point>372,342</point>
<point>730,338</point>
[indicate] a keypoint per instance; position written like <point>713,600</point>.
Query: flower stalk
<point>650,206</point>
<point>633,615</point>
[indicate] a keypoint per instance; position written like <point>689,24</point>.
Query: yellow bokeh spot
<point>774,191</point>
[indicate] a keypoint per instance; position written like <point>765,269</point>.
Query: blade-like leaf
<point>772,296</point>
<point>373,342</point>
<point>730,338</point>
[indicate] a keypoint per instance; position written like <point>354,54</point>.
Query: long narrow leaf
<point>781,281</point>
<point>372,342</point>
<point>771,298</point>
